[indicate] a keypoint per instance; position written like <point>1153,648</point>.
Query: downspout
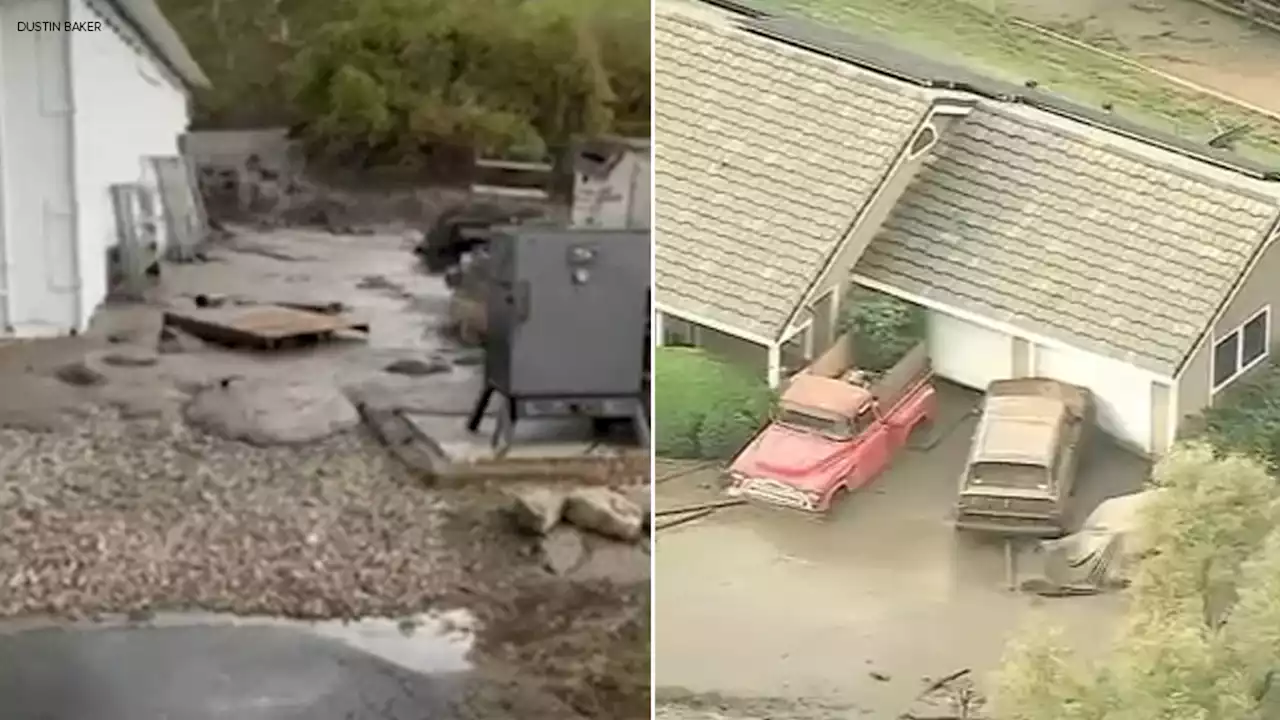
<point>77,286</point>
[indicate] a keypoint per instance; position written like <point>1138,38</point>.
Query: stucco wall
<point>1261,288</point>
<point>128,107</point>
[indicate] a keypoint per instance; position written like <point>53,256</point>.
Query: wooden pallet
<point>263,327</point>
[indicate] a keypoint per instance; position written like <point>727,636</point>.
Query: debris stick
<point>713,505</point>
<point>944,681</point>
<point>696,515</point>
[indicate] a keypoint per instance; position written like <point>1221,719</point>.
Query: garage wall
<point>968,354</point>
<point>36,211</point>
<point>1129,406</point>
<point>1122,392</point>
<point>128,107</point>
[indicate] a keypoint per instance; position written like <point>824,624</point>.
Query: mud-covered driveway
<point>764,613</point>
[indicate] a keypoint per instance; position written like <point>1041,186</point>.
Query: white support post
<point>775,366</point>
<point>833,316</point>
<point>659,331</point>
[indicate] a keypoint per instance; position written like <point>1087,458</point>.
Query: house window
<point>1241,349</point>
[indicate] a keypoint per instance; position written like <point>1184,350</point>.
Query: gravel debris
<point>121,516</point>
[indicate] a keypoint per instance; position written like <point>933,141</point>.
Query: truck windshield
<point>833,427</point>
<point>1010,475</point>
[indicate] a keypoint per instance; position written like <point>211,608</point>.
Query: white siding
<point>127,109</point>
<point>1122,392</point>
<point>968,354</point>
<point>36,209</point>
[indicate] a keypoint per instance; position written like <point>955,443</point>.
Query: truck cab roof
<point>827,395</point>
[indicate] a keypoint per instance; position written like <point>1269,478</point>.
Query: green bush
<point>884,328</point>
<point>1245,419</point>
<point>703,407</point>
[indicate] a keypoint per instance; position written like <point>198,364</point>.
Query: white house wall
<point>966,353</point>
<point>37,235</point>
<point>1122,393</point>
<point>128,108</point>
<point>972,355</point>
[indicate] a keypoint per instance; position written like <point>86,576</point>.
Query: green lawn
<point>985,41</point>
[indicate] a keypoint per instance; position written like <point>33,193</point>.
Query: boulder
<point>414,367</point>
<point>271,411</point>
<point>79,374</point>
<point>605,512</point>
<point>536,509</point>
<point>615,562</point>
<point>563,550</point>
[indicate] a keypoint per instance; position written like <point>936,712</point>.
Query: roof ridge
<point>907,66</point>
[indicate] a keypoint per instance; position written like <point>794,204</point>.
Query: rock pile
<point>588,533</point>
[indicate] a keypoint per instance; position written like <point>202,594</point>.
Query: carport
<point>768,196</point>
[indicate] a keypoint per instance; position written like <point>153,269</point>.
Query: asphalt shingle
<point>1027,220</point>
<point>766,155</point>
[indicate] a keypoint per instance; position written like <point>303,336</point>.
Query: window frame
<point>1238,333</point>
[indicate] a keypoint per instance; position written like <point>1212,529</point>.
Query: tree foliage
<point>1201,640</point>
<point>884,328</point>
<point>391,79</point>
<point>1246,418</point>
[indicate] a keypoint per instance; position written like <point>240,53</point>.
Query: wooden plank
<point>262,326</point>
<point>1130,62</point>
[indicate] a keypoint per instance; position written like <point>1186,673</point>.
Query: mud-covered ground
<point>765,613</point>
<point>111,502</point>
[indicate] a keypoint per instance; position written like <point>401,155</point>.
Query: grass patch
<point>704,408</point>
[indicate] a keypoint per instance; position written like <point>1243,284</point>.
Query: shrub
<point>704,408</point>
<point>884,328</point>
<point>1245,419</point>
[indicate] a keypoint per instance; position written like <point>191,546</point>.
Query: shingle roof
<point>766,154</point>
<point>1054,227</point>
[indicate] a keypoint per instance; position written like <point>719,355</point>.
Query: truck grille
<point>775,493</point>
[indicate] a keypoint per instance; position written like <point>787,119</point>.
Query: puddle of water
<point>427,643</point>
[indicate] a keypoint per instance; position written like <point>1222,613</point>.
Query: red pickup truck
<point>835,428</point>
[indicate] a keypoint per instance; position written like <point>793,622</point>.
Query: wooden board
<point>267,327</point>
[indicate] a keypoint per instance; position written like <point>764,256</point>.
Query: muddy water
<point>858,608</point>
<point>202,666</point>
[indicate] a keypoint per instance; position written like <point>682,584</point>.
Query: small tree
<point>1202,634</point>
<point>884,328</point>
<point>1246,418</point>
